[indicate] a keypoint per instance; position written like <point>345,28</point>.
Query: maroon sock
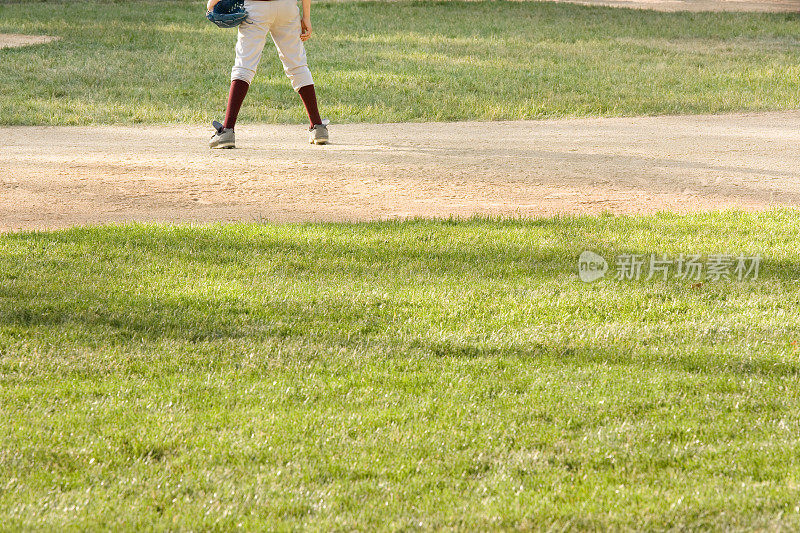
<point>309,97</point>
<point>235,98</point>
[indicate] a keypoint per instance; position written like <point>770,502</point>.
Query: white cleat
<point>223,138</point>
<point>319,134</point>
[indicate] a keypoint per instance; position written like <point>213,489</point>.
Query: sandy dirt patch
<point>54,177</point>
<point>14,40</point>
<point>753,6</point>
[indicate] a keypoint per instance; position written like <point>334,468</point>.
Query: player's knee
<point>244,74</point>
<point>300,77</point>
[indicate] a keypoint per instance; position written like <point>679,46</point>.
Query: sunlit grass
<point>399,61</point>
<point>420,375</point>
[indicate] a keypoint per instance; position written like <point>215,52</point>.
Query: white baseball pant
<point>281,19</point>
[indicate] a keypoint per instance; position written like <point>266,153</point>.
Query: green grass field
<point>424,375</point>
<point>152,62</point>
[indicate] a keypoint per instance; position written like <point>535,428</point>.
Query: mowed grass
<point>419,375</point>
<point>156,62</point>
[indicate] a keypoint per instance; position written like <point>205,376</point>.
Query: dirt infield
<point>55,177</point>
<point>14,40</point>
<point>754,6</point>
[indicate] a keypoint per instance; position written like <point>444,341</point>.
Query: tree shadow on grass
<point>396,251</point>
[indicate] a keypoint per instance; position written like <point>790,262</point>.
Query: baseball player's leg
<point>309,97</point>
<point>285,33</point>
<point>249,47</point>
<point>236,96</point>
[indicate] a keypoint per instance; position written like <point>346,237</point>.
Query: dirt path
<point>59,176</point>
<point>15,40</point>
<point>755,6</point>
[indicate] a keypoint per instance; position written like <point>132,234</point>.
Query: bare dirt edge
<point>15,40</point>
<point>751,6</point>
<point>56,177</point>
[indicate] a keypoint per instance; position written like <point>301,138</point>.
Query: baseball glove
<point>228,13</point>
